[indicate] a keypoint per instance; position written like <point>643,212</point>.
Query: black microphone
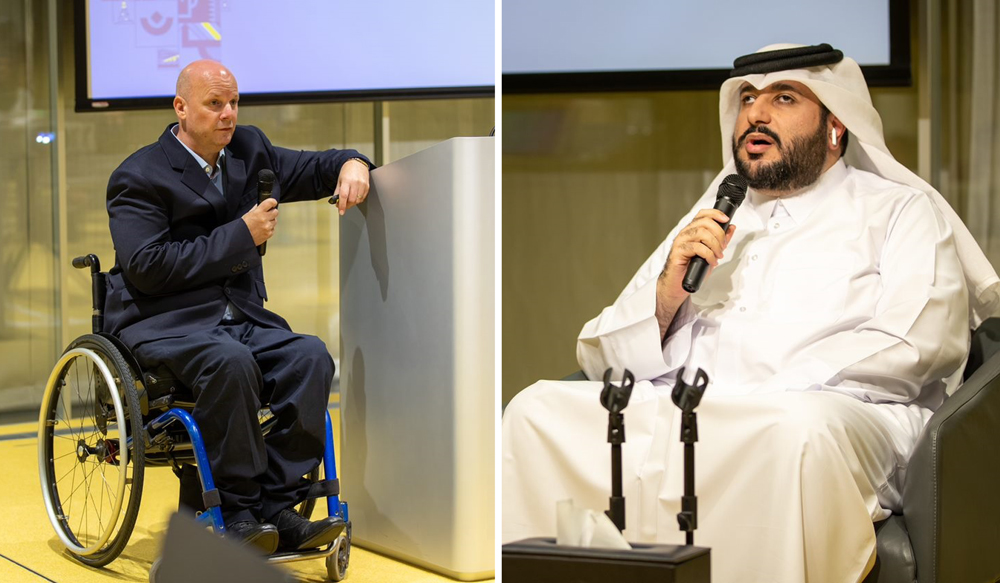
<point>732,191</point>
<point>265,184</point>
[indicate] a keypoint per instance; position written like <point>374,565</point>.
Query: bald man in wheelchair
<point>187,294</point>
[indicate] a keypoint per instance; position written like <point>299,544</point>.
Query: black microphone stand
<point>543,560</point>
<point>687,397</point>
<point>615,399</point>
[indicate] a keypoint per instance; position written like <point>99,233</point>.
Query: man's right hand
<point>704,237</point>
<point>261,220</point>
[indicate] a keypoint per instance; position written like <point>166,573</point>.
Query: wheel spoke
<point>84,481</point>
<point>72,480</point>
<point>107,485</point>
<point>71,438</point>
<point>100,523</point>
<point>84,515</point>
<point>67,510</point>
<point>99,507</point>
<point>90,496</point>
<point>77,369</point>
<point>61,404</point>
<point>100,468</point>
<point>72,469</point>
<point>90,398</point>
<point>100,513</point>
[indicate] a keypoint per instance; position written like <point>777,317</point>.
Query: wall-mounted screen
<point>129,52</point>
<point>560,45</point>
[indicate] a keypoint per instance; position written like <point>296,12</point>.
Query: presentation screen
<point>129,52</point>
<point>665,44</point>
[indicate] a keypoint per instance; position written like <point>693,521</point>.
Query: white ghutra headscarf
<point>841,87</point>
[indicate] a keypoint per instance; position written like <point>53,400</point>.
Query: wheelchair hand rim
<point>61,527</point>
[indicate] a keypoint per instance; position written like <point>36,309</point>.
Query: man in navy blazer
<point>187,295</point>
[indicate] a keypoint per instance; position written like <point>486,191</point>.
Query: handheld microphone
<point>265,185</point>
<point>732,191</point>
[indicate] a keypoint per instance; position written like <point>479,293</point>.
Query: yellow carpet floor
<point>30,551</point>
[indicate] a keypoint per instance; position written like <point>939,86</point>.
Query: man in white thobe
<point>834,321</point>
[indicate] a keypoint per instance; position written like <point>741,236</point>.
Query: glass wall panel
<point>28,316</point>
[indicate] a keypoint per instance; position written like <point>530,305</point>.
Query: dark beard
<point>801,164</point>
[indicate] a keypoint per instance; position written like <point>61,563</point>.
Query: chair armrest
<point>950,501</point>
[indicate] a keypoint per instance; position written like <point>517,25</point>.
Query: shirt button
<point>227,291</point>
<point>753,257</point>
<point>743,308</point>
<point>776,226</point>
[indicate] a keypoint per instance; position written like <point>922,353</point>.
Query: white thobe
<point>832,328</point>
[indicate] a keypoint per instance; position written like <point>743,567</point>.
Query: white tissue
<point>580,527</point>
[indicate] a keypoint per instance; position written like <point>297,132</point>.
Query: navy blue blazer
<point>182,250</point>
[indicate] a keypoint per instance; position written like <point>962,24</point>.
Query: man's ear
<point>835,125</point>
<point>180,107</point>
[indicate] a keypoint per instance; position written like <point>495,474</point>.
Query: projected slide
<point>137,47</point>
<point>567,36</point>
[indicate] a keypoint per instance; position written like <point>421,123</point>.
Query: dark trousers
<point>232,370</point>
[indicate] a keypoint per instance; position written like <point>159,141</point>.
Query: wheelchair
<point>103,420</point>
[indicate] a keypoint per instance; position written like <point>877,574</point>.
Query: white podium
<point>417,404</point>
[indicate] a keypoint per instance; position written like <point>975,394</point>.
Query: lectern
<point>416,381</point>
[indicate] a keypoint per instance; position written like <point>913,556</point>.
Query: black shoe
<point>296,533</point>
<point>261,537</point>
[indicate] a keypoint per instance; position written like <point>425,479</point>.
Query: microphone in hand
<point>732,191</point>
<point>265,186</point>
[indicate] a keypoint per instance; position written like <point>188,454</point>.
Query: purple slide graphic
<point>137,47</point>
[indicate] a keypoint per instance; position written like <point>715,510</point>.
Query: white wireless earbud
<point>833,136</point>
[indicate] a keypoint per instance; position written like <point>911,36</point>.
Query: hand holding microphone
<point>732,191</point>
<point>263,217</point>
<point>700,245</point>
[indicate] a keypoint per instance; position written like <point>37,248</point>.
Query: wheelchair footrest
<point>323,489</point>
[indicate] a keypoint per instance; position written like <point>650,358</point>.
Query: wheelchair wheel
<point>154,570</point>
<point>90,450</point>
<point>336,564</point>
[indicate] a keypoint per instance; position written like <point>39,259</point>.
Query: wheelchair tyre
<point>154,570</point>
<point>336,564</point>
<point>91,483</point>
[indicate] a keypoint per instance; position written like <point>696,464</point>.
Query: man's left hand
<point>352,185</point>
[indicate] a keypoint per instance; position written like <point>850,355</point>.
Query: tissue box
<point>541,560</point>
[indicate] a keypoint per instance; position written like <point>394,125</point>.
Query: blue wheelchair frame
<point>213,515</point>
<point>337,551</point>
